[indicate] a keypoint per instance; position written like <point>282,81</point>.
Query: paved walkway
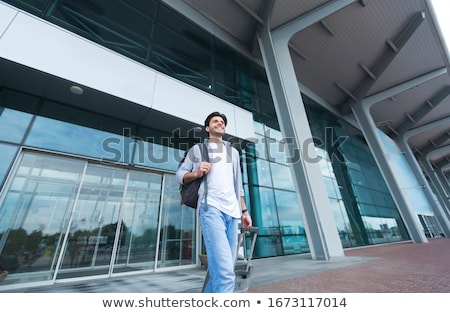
<point>394,268</point>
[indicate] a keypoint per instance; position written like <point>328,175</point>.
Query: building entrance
<point>62,218</point>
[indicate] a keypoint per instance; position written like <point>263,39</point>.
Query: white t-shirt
<point>221,193</point>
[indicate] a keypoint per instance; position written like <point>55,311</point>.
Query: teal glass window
<point>155,35</point>
<point>7,154</point>
<point>233,77</point>
<point>289,213</point>
<point>59,127</point>
<point>103,22</point>
<point>13,124</point>
<point>260,147</point>
<point>281,176</point>
<point>61,136</point>
<point>34,6</point>
<point>15,114</point>
<point>154,155</point>
<point>264,176</point>
<point>265,217</point>
<point>181,50</point>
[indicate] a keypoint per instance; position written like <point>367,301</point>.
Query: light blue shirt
<point>191,164</point>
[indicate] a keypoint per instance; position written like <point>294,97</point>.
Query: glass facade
<point>64,216</point>
<point>364,210</point>
<point>275,208</point>
<point>155,35</point>
<point>84,194</point>
<point>65,212</point>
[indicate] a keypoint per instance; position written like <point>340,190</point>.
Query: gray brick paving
<point>397,268</point>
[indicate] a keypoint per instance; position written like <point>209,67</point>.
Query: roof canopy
<point>390,54</point>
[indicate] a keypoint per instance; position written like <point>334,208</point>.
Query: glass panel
<point>289,212</point>
<point>260,147</point>
<point>34,6</point>
<point>294,244</point>
<point>178,224</point>
<point>258,127</point>
<point>59,136</point>
<point>139,226</point>
<point>40,204</point>
<point>233,76</point>
<point>176,46</point>
<point>13,124</point>
<point>35,213</point>
<point>266,218</point>
<point>182,50</point>
<point>277,151</point>
<point>18,101</point>
<point>71,115</point>
<point>264,176</point>
<point>291,222</point>
<point>330,184</point>
<point>94,223</point>
<point>281,177</point>
<point>157,156</point>
<point>265,95</point>
<point>342,223</point>
<point>7,154</point>
<point>103,22</point>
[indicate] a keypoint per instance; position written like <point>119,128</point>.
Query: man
<point>224,204</point>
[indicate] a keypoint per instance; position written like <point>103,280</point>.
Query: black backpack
<point>189,192</point>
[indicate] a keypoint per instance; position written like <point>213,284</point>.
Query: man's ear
<point>207,129</point>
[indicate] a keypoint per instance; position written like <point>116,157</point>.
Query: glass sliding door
<point>63,218</point>
<point>35,213</point>
<point>94,223</point>
<point>136,245</point>
<point>178,225</point>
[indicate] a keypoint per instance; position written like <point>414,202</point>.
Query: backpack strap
<point>205,158</point>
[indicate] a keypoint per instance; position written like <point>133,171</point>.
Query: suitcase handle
<point>252,229</point>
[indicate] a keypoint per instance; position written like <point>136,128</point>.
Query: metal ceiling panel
<point>330,56</point>
<point>287,10</point>
<point>229,16</point>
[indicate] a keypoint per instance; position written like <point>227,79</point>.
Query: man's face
<point>216,126</point>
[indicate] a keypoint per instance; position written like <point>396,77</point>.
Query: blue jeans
<point>220,236</point>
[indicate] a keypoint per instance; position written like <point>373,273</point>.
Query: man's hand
<point>246,220</point>
<point>204,168</point>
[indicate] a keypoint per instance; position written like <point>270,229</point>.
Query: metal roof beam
<point>250,12</point>
<point>327,26</point>
<point>428,106</point>
<point>392,129</point>
<point>298,52</point>
<point>402,87</point>
<point>424,128</point>
<point>368,71</point>
<point>289,29</point>
<point>384,61</point>
<point>442,163</point>
<point>446,168</point>
<point>435,101</point>
<point>435,143</point>
<point>348,92</point>
<point>441,150</point>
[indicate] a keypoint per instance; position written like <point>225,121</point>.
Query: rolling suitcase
<point>242,266</point>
